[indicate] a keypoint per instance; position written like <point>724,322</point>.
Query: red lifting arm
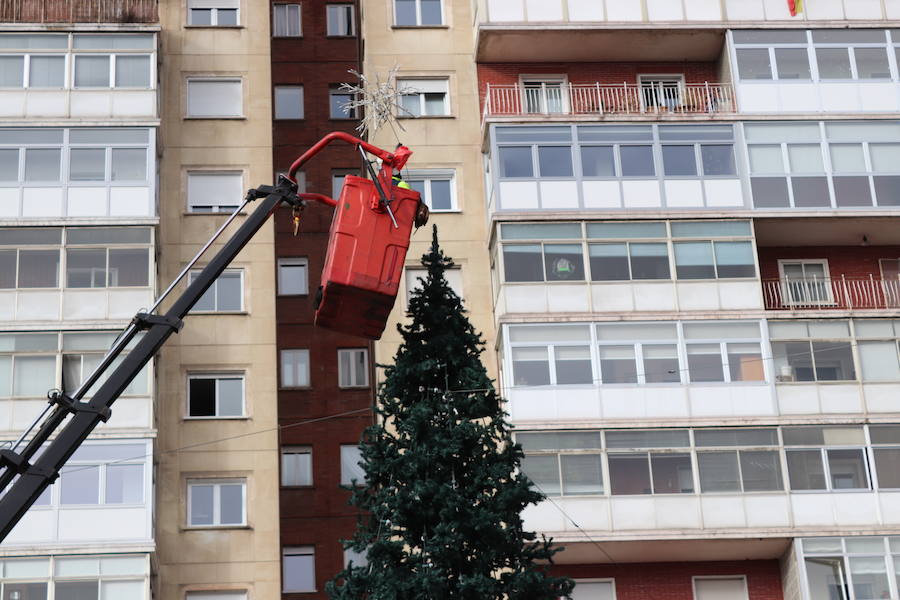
<point>390,160</point>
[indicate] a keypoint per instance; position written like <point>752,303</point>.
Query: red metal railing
<point>79,11</point>
<point>831,293</point>
<point>652,98</point>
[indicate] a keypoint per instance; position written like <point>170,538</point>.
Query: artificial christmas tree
<point>443,495</point>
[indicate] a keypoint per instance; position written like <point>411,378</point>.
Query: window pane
<point>745,362</point>
<point>231,397</point>
<point>637,161</point>
<point>679,160</point>
<point>769,192</point>
<point>626,230</point>
<point>705,362</point>
<point>87,164</point>
<point>647,438</point>
<point>124,484</point>
<point>288,102</point>
<point>869,577</point>
<point>296,468</point>
<point>806,158</point>
<point>229,292</point>
<point>848,469</point>
<point>617,364</point>
<point>573,365</point>
<point>885,157</point>
<point>834,361</point>
<point>792,63</point>
<point>872,63</point>
<point>405,12</point>
<point>9,164</point>
<point>86,268</point>
<point>338,108</point>
<point>226,17</point>
<point>435,103</point>
<point>201,508</point>
<point>555,161</point>
<point>629,474</point>
<point>834,63</point>
<point>523,262</point>
<point>441,195</point>
<point>292,278</point>
<point>298,571</point>
<point>581,474</point>
<point>805,470</point>
<point>609,262</point>
<point>598,161</point>
<point>793,361</point>
<point>515,161</point>
<point>33,375</point>
<point>661,364</point>
<point>735,259</point>
<point>765,159</point>
<point>825,576</point>
<point>214,98</point>
<point>42,164</point>
<point>847,158</point>
<point>431,12</point>
<point>37,591</point>
<point>564,262</point>
<point>46,71</point>
<point>232,504</point>
<point>129,164</point>
<point>810,191</point>
<point>531,366</point>
<point>694,260</point>
<point>133,71</point>
<point>543,471</point>
<point>38,268</point>
<point>11,71</point>
<point>92,71</point>
<point>753,63</point>
<point>351,465</point>
<point>201,16</point>
<point>718,472</point>
<point>761,470</point>
<point>79,484</point>
<point>887,465</point>
<point>202,397</point>
<point>718,159</point>
<point>852,191</point>
<point>878,361</point>
<point>294,368</point>
<point>76,590</point>
<point>649,261</point>
<point>672,473</point>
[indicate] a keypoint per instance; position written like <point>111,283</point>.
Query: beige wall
<point>233,558</point>
<point>439,143</point>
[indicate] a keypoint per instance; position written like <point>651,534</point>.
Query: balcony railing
<point>656,98</point>
<point>832,293</point>
<point>79,11</point>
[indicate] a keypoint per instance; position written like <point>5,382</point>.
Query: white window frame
<point>544,81</point>
<point>868,467</point>
<point>302,450</point>
<point>609,580</point>
<point>214,17</point>
<point>353,352</point>
<point>418,22</point>
<point>786,282</point>
<point>406,86</point>
<point>281,374</point>
<point>215,376</point>
<point>335,90</point>
<point>288,262</point>
<point>217,505</point>
<point>214,290</point>
<point>742,577</point>
<point>645,81</point>
<point>347,10</point>
<point>347,478</point>
<point>225,115</point>
<point>298,551</point>
<point>275,19</point>
<point>275,111</point>
<point>426,176</point>
<point>193,203</point>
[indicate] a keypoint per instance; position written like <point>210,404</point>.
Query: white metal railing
<point>649,98</point>
<point>842,293</point>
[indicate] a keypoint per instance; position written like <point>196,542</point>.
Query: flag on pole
<point>796,7</point>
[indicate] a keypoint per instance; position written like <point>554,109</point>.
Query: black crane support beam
<point>35,477</point>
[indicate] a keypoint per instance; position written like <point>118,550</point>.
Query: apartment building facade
<point>693,255</point>
<point>325,378</point>
<point>78,153</point>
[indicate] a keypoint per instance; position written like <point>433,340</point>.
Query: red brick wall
<point>600,72</point>
<point>850,261</point>
<point>318,515</point>
<point>673,581</point>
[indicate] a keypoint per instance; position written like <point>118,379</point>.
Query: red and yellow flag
<point>796,7</point>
